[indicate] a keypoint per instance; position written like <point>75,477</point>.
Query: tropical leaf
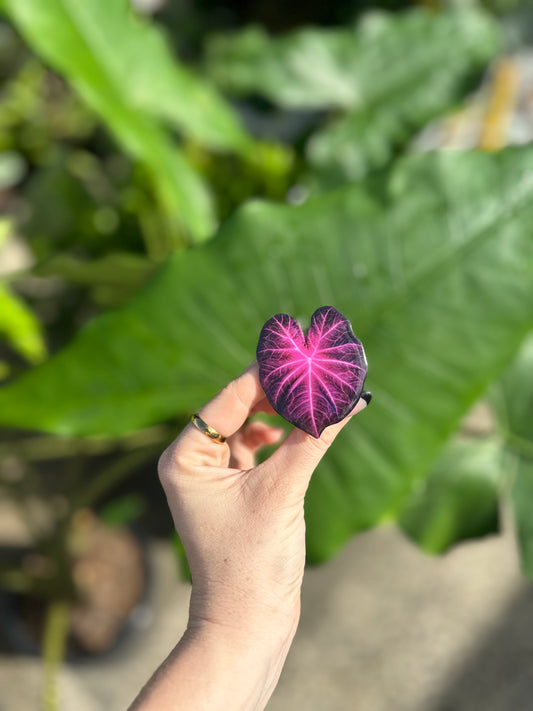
<point>522,501</point>
<point>460,497</point>
<point>513,400</point>
<point>109,42</point>
<point>386,78</point>
<point>122,68</point>
<point>351,67</point>
<point>434,268</point>
<point>349,147</point>
<point>315,380</point>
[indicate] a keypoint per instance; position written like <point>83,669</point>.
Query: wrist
<point>245,660</point>
<point>264,615</point>
<point>219,666</point>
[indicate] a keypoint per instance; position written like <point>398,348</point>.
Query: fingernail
<point>367,396</point>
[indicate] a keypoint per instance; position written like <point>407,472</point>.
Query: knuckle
<point>169,463</point>
<point>316,446</point>
<point>163,466</point>
<point>234,391</point>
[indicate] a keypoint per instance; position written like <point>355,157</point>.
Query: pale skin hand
<point>243,530</point>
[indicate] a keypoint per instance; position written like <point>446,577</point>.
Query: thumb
<point>298,456</point>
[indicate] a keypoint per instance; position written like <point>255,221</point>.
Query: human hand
<point>242,527</point>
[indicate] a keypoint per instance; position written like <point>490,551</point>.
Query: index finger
<point>229,409</point>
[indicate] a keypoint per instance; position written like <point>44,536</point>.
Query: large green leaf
<point>350,68</point>
<point>123,70</point>
<point>522,501</point>
<point>513,399</point>
<point>434,268</point>
<point>349,147</point>
<point>108,45</point>
<point>459,499</point>
<point>390,75</point>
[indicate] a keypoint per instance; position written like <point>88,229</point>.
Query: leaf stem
<point>45,447</point>
<point>519,445</point>
<point>110,476</point>
<point>54,647</point>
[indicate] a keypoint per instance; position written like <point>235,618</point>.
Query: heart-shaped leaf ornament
<point>315,380</point>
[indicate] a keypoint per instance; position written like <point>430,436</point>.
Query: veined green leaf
<point>354,67</point>
<point>434,268</point>
<point>349,147</point>
<point>386,78</point>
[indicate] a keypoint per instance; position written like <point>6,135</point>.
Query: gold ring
<point>207,429</point>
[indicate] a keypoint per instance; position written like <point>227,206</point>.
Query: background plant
<point>149,270</point>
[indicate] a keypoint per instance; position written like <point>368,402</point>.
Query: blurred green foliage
<point>461,497</point>
<point>129,180</point>
<point>378,82</point>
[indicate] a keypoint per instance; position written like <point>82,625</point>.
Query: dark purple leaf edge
<point>311,380</point>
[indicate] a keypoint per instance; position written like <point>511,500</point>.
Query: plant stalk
<point>54,648</point>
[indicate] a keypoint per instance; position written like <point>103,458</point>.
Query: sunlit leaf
<point>20,327</point>
<point>131,53</point>
<point>384,78</point>
<point>122,68</point>
<point>434,269</point>
<point>350,67</point>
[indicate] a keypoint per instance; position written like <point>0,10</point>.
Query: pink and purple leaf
<point>312,380</point>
